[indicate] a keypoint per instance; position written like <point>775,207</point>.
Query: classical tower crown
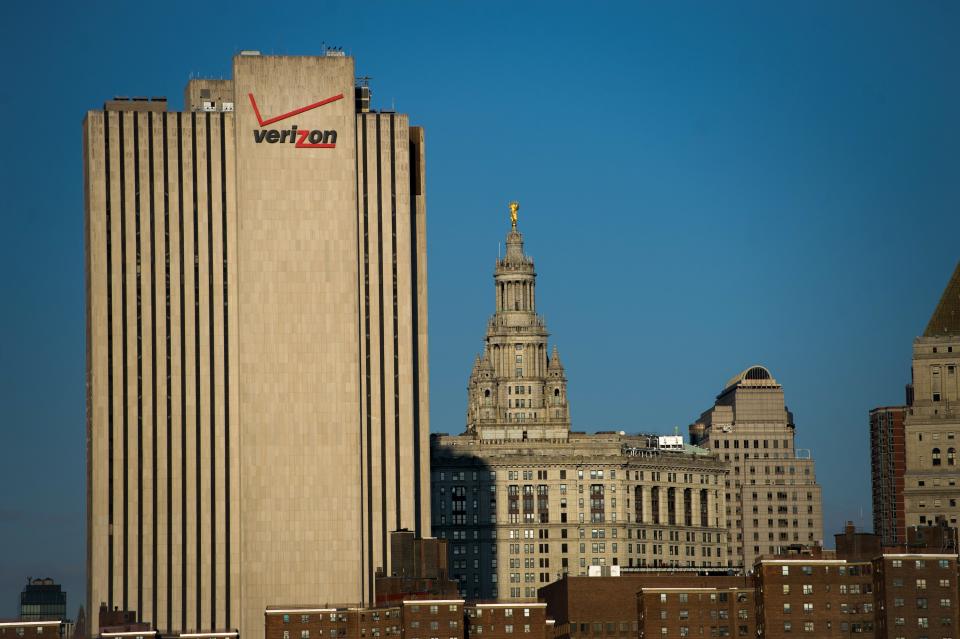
<point>516,391</point>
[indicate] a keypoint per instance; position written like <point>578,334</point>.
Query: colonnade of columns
<point>516,296</point>
<point>645,496</point>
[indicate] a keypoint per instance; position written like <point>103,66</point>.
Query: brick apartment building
<point>508,621</point>
<point>863,590</point>
<point>416,600</point>
<point>716,611</point>
<point>609,606</point>
<point>916,596</point>
<point>32,629</point>
<point>412,619</point>
<point>814,598</point>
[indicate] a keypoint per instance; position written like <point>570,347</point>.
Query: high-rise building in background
<point>523,501</point>
<point>887,468</point>
<point>43,600</point>
<point>772,496</point>
<point>257,399</point>
<point>931,489</point>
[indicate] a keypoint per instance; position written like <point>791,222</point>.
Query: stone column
<point>695,505</point>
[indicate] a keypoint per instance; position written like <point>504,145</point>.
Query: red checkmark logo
<point>290,114</point>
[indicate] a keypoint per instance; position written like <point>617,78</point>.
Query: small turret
<point>554,363</point>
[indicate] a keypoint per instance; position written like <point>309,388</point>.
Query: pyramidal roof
<point>946,318</point>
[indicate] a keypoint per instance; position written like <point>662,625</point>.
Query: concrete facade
<point>256,337</point>
<point>932,425</point>
<point>772,496</point>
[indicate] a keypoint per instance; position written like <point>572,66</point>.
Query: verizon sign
<point>300,138</point>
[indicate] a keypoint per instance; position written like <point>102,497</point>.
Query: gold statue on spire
<point>514,207</point>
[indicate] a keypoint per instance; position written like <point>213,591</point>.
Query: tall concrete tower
<point>257,407</point>
<point>773,499</point>
<point>517,391</point>
<point>932,424</point>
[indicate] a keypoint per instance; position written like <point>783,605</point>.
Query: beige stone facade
<point>932,424</point>
<point>521,515</point>
<point>524,501</point>
<point>773,499</point>
<point>256,335</point>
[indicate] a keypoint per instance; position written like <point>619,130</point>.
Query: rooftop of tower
<point>514,256</point>
<point>946,317</point>
<point>755,375</point>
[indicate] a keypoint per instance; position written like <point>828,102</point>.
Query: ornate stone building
<point>516,391</point>
<point>772,496</point>
<point>932,423</point>
<point>524,501</point>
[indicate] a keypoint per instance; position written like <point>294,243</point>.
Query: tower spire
<point>946,318</point>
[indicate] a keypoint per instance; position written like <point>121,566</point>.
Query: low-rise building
<point>306,622</point>
<point>34,629</point>
<point>411,619</point>
<point>611,606</point>
<point>916,595</point>
<point>508,621</point>
<point>714,611</point>
<point>814,598</point>
<point>433,619</point>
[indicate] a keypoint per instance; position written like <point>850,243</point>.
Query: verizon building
<point>256,344</point>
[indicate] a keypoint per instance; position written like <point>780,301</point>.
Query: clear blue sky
<point>704,186</point>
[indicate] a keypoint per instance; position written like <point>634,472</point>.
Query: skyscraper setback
<point>256,344</point>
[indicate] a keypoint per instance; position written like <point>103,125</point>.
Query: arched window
<point>556,392</point>
<point>936,456</point>
<point>951,456</point>
<point>486,393</point>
